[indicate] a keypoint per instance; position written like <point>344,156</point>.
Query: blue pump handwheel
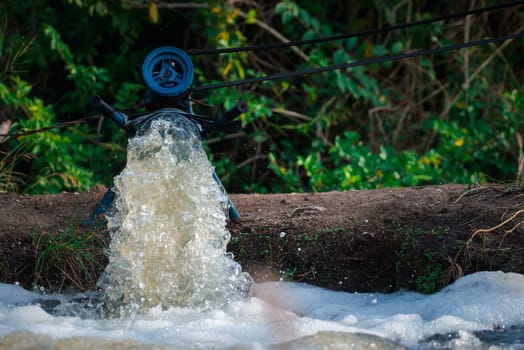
<point>168,71</point>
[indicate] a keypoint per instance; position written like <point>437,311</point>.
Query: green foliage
<point>431,280</point>
<point>422,272</point>
<point>88,79</point>
<point>434,119</point>
<point>68,258</point>
<point>55,155</point>
<point>10,179</point>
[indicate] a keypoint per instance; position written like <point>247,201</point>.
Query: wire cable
<point>25,132</point>
<point>374,60</point>
<point>352,35</point>
<point>366,62</point>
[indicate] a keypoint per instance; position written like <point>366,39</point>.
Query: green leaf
<point>351,43</point>
<point>287,17</point>
<point>340,56</point>
<point>251,16</point>
<point>280,8</point>
<point>341,82</point>
<point>397,47</point>
<point>259,136</point>
<point>379,50</point>
<point>308,34</point>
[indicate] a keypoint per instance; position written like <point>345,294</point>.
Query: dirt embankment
<point>375,240</point>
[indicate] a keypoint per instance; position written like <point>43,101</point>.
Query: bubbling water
<point>168,227</point>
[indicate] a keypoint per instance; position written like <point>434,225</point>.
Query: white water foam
<point>168,230</point>
<point>284,315</point>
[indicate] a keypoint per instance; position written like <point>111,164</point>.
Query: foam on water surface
<point>476,312</point>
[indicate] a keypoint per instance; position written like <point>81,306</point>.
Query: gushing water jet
<point>167,209</point>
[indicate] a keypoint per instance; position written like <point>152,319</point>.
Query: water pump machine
<point>168,73</point>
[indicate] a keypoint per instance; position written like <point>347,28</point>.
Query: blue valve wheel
<point>168,71</point>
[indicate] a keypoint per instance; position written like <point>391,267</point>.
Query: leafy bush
<point>453,117</point>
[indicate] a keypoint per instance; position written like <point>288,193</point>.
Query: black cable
<point>24,132</point>
<point>357,34</point>
<point>366,62</point>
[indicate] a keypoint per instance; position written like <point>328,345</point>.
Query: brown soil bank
<point>375,240</point>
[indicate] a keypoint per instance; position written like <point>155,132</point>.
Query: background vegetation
<point>447,118</point>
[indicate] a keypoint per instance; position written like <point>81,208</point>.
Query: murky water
<point>170,284</point>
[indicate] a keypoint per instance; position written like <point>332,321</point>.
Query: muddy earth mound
<point>384,240</point>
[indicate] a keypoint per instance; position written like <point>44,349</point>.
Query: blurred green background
<point>446,118</point>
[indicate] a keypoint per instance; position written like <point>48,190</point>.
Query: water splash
<point>168,229</point>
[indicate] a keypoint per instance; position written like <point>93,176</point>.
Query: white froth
<point>291,312</point>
